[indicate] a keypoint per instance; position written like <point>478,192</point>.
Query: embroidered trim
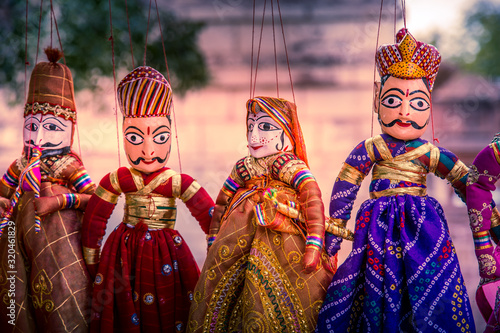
<point>458,171</point>
<point>115,183</point>
<point>382,148</point>
<point>417,191</point>
<point>106,195</point>
<point>176,185</point>
<point>190,191</point>
<point>350,174</point>
<point>369,149</point>
<point>482,240</point>
<point>496,150</point>
<point>337,227</point>
<point>45,108</point>
<point>91,256</point>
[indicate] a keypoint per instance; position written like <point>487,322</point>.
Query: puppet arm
<point>357,165</point>
<point>480,185</point>
<point>77,178</point>
<point>8,185</point>
<point>291,170</point>
<point>197,200</point>
<point>231,185</point>
<point>97,213</point>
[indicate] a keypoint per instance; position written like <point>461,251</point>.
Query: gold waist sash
<point>417,191</point>
<point>400,171</point>
<point>157,212</point>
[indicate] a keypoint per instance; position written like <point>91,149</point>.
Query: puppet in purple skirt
<point>403,273</point>
<point>485,223</point>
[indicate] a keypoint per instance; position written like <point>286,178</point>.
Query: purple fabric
<point>483,176</point>
<point>403,273</point>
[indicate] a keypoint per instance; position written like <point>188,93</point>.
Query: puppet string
<point>111,39</point>
<point>286,51</point>
<point>168,76</point>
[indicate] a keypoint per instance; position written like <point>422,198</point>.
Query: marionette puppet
<point>42,198</point>
<point>485,223</point>
<point>403,272</point>
<point>146,274</point>
<point>266,269</point>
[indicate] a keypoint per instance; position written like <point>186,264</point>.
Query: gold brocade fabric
<point>253,279</point>
<point>402,169</point>
<point>52,286</point>
<point>157,212</point>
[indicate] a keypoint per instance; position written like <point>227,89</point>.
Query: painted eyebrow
<point>419,91</point>
<point>160,128</point>
<point>54,118</point>
<point>133,127</point>
<point>396,89</point>
<point>30,120</point>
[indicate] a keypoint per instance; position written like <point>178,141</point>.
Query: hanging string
<point>51,22</point>
<point>57,32</point>
<point>129,34</point>
<point>168,76</point>
<point>34,79</point>
<point>112,40</point>
<point>53,15</point>
<point>147,31</point>
<point>26,63</point>
<point>258,50</point>
<point>395,17</point>
<point>275,53</point>
<point>251,57</point>
<point>375,66</point>
<point>286,52</point>
<point>403,9</point>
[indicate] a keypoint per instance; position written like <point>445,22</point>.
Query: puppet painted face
<point>404,108</point>
<point>47,132</point>
<point>265,136</point>
<point>147,142</point>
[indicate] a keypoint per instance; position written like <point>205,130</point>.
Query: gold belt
<point>401,171</point>
<point>417,191</point>
<point>157,212</point>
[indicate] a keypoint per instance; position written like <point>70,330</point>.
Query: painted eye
<point>419,104</point>
<point>267,127</point>
<point>52,127</point>
<point>392,101</point>
<point>250,127</point>
<point>134,138</point>
<point>161,138</point>
<point>31,127</point>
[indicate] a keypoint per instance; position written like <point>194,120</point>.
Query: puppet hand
<point>92,270</point>
<point>312,259</point>
<point>47,205</point>
<point>4,205</point>
<point>332,244</point>
<point>488,260</point>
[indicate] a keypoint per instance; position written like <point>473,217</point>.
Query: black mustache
<point>411,122</point>
<point>45,145</point>
<point>137,161</point>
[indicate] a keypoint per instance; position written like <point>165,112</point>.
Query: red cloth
<point>145,278</point>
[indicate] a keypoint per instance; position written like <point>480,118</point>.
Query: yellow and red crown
<point>144,92</point>
<point>408,59</point>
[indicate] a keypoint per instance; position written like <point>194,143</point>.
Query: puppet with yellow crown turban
<point>485,223</point>
<point>266,270</point>
<point>44,284</point>
<point>146,274</point>
<point>403,273</point>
